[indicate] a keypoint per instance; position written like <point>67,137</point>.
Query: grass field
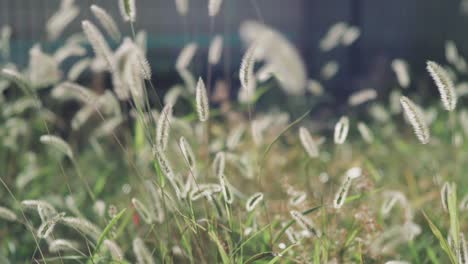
<point>189,174</point>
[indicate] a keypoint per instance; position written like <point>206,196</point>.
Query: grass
<point>186,216</point>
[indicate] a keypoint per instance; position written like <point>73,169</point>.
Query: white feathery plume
<point>142,210</point>
<point>142,252</point>
<point>362,96</point>
<point>329,70</point>
<point>341,130</point>
<point>58,144</point>
<point>60,20</point>
<point>78,68</point>
<point>62,245</point>
<point>350,35</point>
<point>128,10</point>
<point>98,43</point>
<point>315,87</point>
<point>305,223</point>
<point>365,132</point>
<point>16,77</point>
<point>226,189</point>
<point>203,108</point>
<point>213,7</point>
<point>164,163</point>
<point>308,142</point>
<point>333,36</point>
<point>7,214</point>
<point>82,225</point>
<point>186,56</point>
<point>219,164</point>
<point>253,201</point>
<point>114,249</point>
<point>451,52</point>
<point>187,152</point>
<point>216,49</point>
<point>163,127</point>
<point>444,84</point>
<point>416,118</point>
<point>182,7</point>
<point>107,22</point>
<point>246,69</point>
<point>444,195</point>
<point>43,68</point>
<point>68,51</point>
<point>342,193</point>
<point>400,67</point>
<point>204,190</point>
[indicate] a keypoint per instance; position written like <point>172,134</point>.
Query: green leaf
<point>442,241</point>
<point>222,252</point>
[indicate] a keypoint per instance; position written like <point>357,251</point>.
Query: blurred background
<point>414,30</point>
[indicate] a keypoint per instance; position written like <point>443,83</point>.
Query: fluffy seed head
<point>142,252</point>
<point>162,132</point>
<point>365,132</point>
<point>216,49</point>
<point>305,222</point>
<point>246,69</point>
<point>444,84</point>
<point>98,43</point>
<point>106,21</point>
<point>308,142</point>
<point>58,144</point>
<point>213,7</point>
<point>182,7</point>
<point>62,245</point>
<point>253,201</point>
<point>416,118</point>
<point>142,210</point>
<point>7,214</point>
<point>219,164</point>
<point>128,10</point>
<point>203,108</point>
<point>187,152</point>
<point>186,56</point>
<point>226,189</point>
<point>400,67</point>
<point>341,130</point>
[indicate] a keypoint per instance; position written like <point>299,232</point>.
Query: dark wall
<point>412,29</point>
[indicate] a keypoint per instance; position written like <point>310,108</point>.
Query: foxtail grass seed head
<point>46,229</point>
<point>341,130</point>
<point>78,68</point>
<point>401,69</point>
<point>216,49</point>
<point>62,245</point>
<point>142,210</point>
<point>7,214</point>
<point>98,43</point>
<point>247,67</point>
<point>213,7</point>
<point>82,225</point>
<point>163,163</point>
<point>226,189</point>
<point>219,164</point>
<point>128,10</point>
<point>416,118</point>
<point>107,22</point>
<point>114,249</point>
<point>362,97</point>
<point>57,143</point>
<point>202,103</point>
<point>142,252</point>
<point>182,7</point>
<point>444,195</point>
<point>444,84</point>
<point>204,190</point>
<point>16,77</point>
<point>308,143</point>
<point>462,252</point>
<point>365,132</point>
<point>187,152</point>
<point>305,223</point>
<point>342,193</point>
<point>351,34</point>
<point>186,56</point>
<point>163,129</point>
<point>253,201</point>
